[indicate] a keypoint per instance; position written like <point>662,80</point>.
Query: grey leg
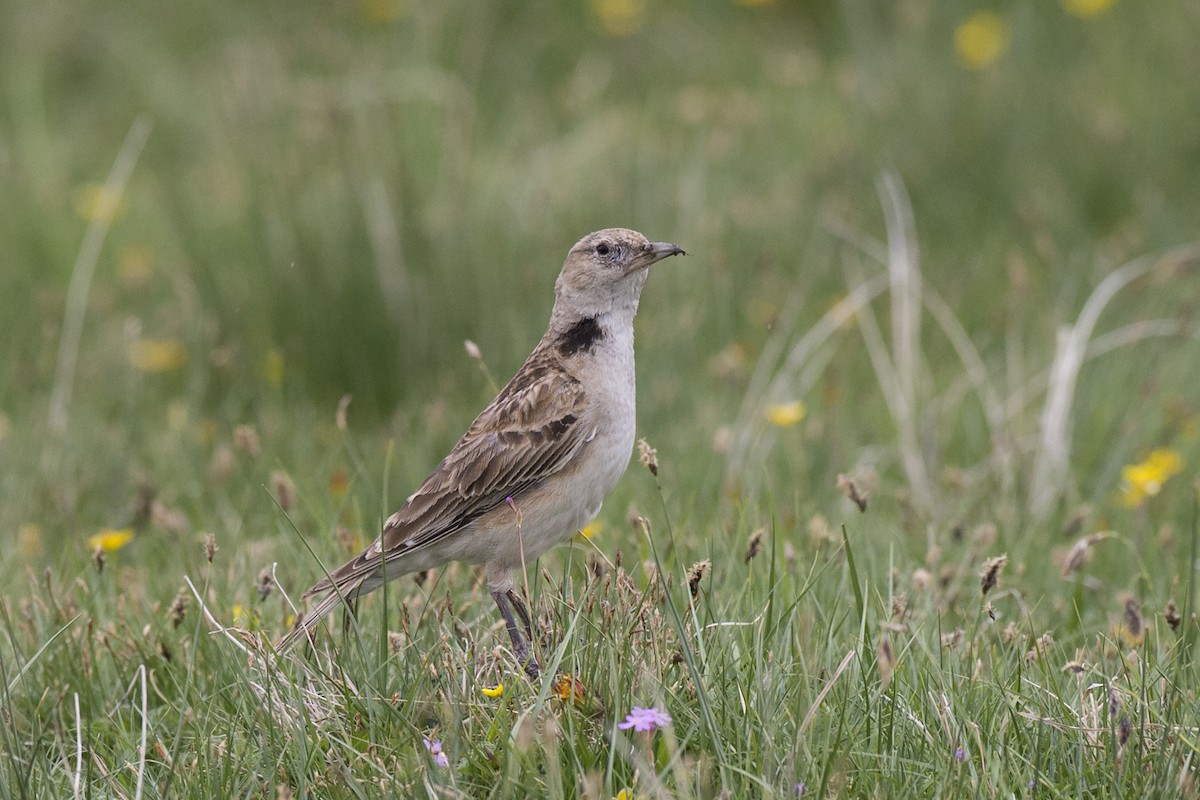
<point>520,647</point>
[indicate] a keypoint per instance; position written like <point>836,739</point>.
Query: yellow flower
<point>273,367</point>
<point>981,39</point>
<point>1146,479</point>
<point>93,202</point>
<point>592,529</point>
<point>619,17</point>
<point>29,540</point>
<point>493,691</point>
<point>242,616</point>
<point>110,539</point>
<point>339,483</point>
<point>381,12</point>
<point>568,687</point>
<point>135,264</point>
<point>158,355</point>
<point>786,415</point>
<point>1086,9</point>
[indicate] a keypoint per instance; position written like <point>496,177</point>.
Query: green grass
<point>327,204</point>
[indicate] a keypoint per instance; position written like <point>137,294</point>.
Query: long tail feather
<point>307,621</point>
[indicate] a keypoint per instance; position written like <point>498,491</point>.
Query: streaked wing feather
<point>528,432</point>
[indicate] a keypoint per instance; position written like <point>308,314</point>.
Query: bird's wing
<point>530,431</point>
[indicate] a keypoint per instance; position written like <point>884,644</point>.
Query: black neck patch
<point>580,337</point>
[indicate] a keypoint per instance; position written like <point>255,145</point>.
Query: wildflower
<point>135,264</point>
<point>648,456</point>
<point>991,573</point>
<point>434,746</point>
<point>801,789</point>
<point>592,529</point>
<point>493,691</point>
<point>645,719</point>
<point>109,539</point>
<point>273,367</point>
<point>339,483</point>
<point>242,616</point>
<point>1146,479</point>
<point>29,540</point>
<point>981,39</point>
<point>1086,9</point>
<point>960,754</point>
<point>619,17</point>
<point>158,355</point>
<point>382,12</point>
<point>568,687</point>
<point>786,415</point>
<point>95,202</point>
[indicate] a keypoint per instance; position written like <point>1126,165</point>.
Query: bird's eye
<point>602,249</point>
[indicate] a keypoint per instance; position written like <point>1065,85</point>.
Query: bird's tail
<point>336,593</point>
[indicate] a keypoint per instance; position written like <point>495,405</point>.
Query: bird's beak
<point>657,251</point>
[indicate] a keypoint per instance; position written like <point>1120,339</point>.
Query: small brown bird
<point>536,464</point>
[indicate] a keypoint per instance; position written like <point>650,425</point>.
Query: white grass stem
<point>85,267</point>
<point>217,626</point>
<point>141,773</point>
<point>1051,467</point>
<point>904,278</point>
<point>825,690</point>
<point>77,778</point>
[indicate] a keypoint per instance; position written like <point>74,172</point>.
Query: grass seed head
<point>852,491</point>
<point>1172,616</point>
<point>283,490</point>
<point>648,456</point>
<point>245,439</point>
<point>264,584</point>
<point>178,608</point>
<point>1134,624</point>
<point>990,573</point>
<point>210,546</point>
<point>696,575</point>
<point>754,544</point>
<point>886,658</point>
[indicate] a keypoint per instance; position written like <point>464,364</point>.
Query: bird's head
<point>606,269</point>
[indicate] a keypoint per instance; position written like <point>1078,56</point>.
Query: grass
<point>980,285</point>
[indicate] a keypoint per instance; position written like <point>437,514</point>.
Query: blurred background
<point>327,200</point>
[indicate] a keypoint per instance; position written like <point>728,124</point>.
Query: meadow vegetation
<point>923,395</point>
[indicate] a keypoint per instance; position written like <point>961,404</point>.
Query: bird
<point>538,461</point>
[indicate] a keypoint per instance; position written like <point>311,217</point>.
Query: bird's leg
<point>520,647</point>
<point>522,612</point>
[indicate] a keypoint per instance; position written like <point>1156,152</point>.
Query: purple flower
<point>645,719</point>
<point>435,749</point>
<point>801,789</point>
<point>960,755</point>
